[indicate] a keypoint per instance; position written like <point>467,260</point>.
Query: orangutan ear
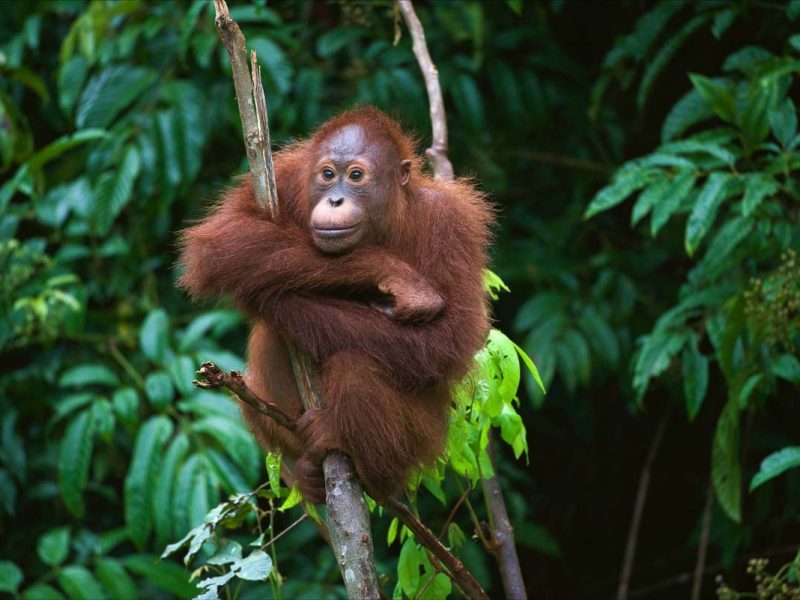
<point>405,171</point>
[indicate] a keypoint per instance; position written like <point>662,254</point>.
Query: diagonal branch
<point>503,546</point>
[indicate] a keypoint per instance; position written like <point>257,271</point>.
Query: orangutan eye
<point>356,174</point>
<point>328,174</point>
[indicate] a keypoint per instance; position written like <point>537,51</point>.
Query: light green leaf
<point>153,335</point>
<point>408,567</point>
<point>775,464</point>
<point>440,586</point>
<point>74,460</point>
<point>10,576</point>
<point>705,210</point>
<point>391,535</point>
<point>91,374</point>
<point>79,583</point>
<point>255,567</point>
<point>140,480</point>
<point>53,546</point>
<point>726,471</point>
<point>273,462</point>
<point>126,404</point>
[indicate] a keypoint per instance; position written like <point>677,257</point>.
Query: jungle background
<point>643,157</point>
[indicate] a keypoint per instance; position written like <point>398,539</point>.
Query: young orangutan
<point>373,268</point>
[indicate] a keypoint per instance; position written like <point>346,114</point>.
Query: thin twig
<point>213,378</point>
<point>465,580</point>
<point>702,546</point>
<point>437,153</point>
<point>454,510</point>
<point>638,511</point>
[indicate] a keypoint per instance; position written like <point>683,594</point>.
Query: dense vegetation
<point>644,158</point>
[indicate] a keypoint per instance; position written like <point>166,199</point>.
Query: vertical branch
<point>437,153</point>
<point>348,517</point>
<point>702,546</point>
<point>503,545</point>
<point>638,511</point>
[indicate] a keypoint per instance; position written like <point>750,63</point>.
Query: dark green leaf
<point>73,464</point>
<point>168,576</point>
<point>42,591</point>
<point>695,378</point>
<point>113,191</point>
<point>717,95</point>
<point>757,186</point>
<point>126,404</point>
<point>79,583</point>
<point>115,579</point>
<point>619,190</point>
<point>783,120</point>
<point>726,471</point>
<point>71,77</point>
<point>337,38</point>
<point>83,375</point>
<point>679,189</point>
<point>110,92</point>
<point>153,335</point>
<point>787,367</point>
<point>159,390</point>
<point>705,210</point>
<point>775,464</point>
<point>139,482</point>
<point>164,485</point>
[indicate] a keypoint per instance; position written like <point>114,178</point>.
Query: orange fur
<point>385,381</point>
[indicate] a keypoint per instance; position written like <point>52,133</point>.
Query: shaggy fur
<point>386,381</point>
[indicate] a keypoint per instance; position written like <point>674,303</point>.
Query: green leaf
<point>696,146</point>
<point>681,186</point>
<point>42,591</point>
<point>391,535</point>
<point>164,485</point>
<point>748,388</point>
<point>531,367</point>
<point>113,191</point>
<point>337,38</point>
<point>53,546</point>
<point>10,576</point>
<point>141,476</point>
<point>722,21</point>
<point>126,404</point>
<point>705,209</point>
<point>159,390</point>
<point>227,551</point>
<point>273,462</point>
<point>664,55</point>
<point>255,567</point>
<point>168,576</point>
<point>783,121</point>
<point>440,586</point>
<point>757,186</point>
<point>619,190</point>
<point>153,335</point>
<point>516,6</point>
<point>601,336</point>
<point>74,460</point>
<point>79,583</point>
<point>717,95</point>
<point>210,324</point>
<point>104,421</point>
<point>775,464</point>
<point>55,149</point>
<point>115,579</point>
<point>726,471</point>
<point>110,92</point>
<point>92,374</point>
<point>695,378</point>
<point>688,111</point>
<point>654,358</point>
<point>408,567</point>
<point>537,538</point>
<point>71,77</point>
<point>787,367</point>
<point>652,196</point>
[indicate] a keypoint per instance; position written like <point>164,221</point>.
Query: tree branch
<point>348,517</point>
<point>702,546</point>
<point>638,511</point>
<point>437,153</point>
<point>458,572</point>
<point>503,546</point>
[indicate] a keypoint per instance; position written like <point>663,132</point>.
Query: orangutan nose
<point>336,201</point>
